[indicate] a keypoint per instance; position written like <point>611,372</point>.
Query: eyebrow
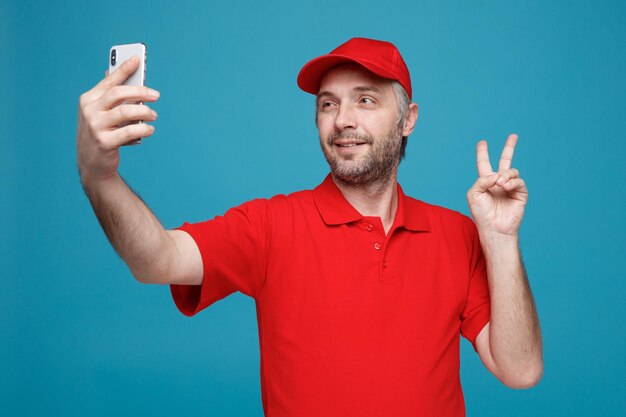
<point>365,88</point>
<point>358,89</point>
<point>324,94</point>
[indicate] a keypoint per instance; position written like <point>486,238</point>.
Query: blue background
<point>79,336</point>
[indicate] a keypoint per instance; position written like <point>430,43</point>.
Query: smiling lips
<point>344,140</point>
<point>348,144</point>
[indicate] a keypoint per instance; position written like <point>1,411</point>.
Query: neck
<point>378,199</point>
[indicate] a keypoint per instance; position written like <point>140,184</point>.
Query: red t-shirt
<point>352,322</point>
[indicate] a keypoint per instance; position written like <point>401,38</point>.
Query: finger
<point>515,185</point>
<point>120,75</point>
<point>482,159</point>
<point>126,113</point>
<point>121,93</point>
<point>117,77</point>
<point>507,175</point>
<point>507,153</point>
<point>130,133</point>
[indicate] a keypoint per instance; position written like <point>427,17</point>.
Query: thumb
<point>484,183</point>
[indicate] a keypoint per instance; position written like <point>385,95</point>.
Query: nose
<point>345,117</point>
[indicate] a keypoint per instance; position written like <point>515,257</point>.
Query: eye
<point>326,104</point>
<point>367,100</point>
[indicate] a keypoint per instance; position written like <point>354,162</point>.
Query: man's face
<point>357,119</point>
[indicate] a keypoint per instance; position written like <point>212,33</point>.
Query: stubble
<point>378,166</point>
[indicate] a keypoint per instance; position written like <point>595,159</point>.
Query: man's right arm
<point>153,254</point>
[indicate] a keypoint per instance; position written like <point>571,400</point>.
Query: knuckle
<point>127,134</point>
<point>108,81</point>
<point>134,131</point>
<point>92,125</point>
<point>100,141</point>
<point>115,93</point>
<point>106,84</point>
<point>91,119</point>
<point>83,100</point>
<point>123,112</point>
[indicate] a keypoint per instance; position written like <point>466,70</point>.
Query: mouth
<point>349,144</point>
<point>349,141</point>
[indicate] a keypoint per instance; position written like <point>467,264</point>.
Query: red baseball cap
<point>380,57</point>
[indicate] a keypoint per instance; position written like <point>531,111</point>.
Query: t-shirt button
<point>376,246</point>
<point>369,227</point>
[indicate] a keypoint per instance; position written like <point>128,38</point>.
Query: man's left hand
<point>497,199</point>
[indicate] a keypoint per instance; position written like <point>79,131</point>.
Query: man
<point>361,291</point>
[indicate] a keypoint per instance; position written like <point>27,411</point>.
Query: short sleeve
<point>233,248</point>
<point>477,309</point>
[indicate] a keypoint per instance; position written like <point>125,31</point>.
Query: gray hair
<point>404,102</point>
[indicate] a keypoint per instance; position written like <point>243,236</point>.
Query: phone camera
<point>113,56</point>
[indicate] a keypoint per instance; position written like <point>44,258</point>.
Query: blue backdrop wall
<point>79,336</point>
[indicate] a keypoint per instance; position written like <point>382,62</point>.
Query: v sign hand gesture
<point>497,200</point>
<point>510,344</point>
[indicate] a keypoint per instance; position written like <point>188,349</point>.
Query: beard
<point>377,166</point>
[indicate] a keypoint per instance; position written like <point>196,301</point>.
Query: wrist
<point>494,241</point>
<point>93,183</point>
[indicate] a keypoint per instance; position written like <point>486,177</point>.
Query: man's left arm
<point>510,344</point>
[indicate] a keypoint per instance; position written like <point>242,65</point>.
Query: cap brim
<point>312,72</point>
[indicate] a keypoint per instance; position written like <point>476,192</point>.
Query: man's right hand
<point>101,110</point>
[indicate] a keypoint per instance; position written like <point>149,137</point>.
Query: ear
<point>410,120</point>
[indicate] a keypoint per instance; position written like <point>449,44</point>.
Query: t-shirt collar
<point>335,209</point>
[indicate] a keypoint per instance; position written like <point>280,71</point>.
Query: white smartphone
<point>121,53</point>
<point>117,56</point>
